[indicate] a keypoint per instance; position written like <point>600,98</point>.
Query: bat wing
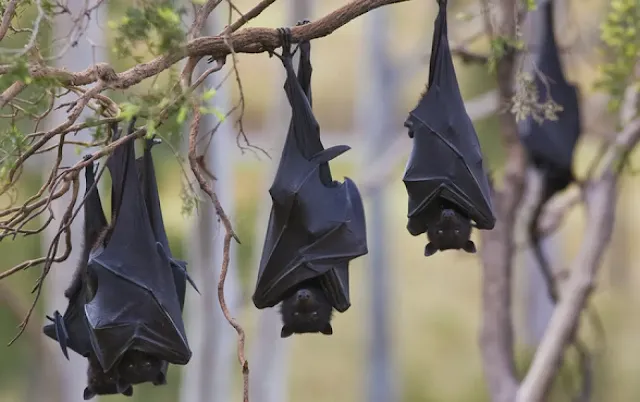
<point>94,220</point>
<point>446,160</point>
<point>70,330</point>
<point>149,184</point>
<point>136,302</point>
<point>552,141</point>
<point>316,225</point>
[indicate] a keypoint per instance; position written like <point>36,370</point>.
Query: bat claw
<point>303,22</point>
<point>61,333</point>
<point>132,125</point>
<point>87,157</point>
<point>285,37</point>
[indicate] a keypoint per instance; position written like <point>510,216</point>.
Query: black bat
<point>316,226</point>
<point>550,144</point>
<point>71,329</point>
<point>134,304</point>
<point>149,185</point>
<point>446,183</point>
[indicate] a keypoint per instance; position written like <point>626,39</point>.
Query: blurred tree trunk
<point>538,304</point>
<point>269,353</point>
<point>207,376</point>
<point>376,100</point>
<point>88,50</point>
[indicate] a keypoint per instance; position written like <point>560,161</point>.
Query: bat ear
<point>128,391</point>
<point>88,394</point>
<point>286,332</point>
<point>470,247</point>
<point>430,249</point>
<point>327,330</point>
<point>160,379</point>
<point>123,387</point>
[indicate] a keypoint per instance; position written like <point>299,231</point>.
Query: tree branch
<point>248,40</point>
<point>9,12</point>
<point>600,201</point>
<point>496,334</point>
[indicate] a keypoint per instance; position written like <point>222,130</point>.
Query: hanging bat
<point>71,329</point>
<point>149,185</point>
<point>550,144</point>
<point>446,183</point>
<point>316,226</point>
<point>133,304</point>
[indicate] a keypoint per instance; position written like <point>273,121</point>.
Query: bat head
<point>306,310</point>
<point>104,383</point>
<point>137,367</point>
<point>451,230</point>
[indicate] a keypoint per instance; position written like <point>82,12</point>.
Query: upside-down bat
<point>316,226</point>
<point>550,144</point>
<point>130,330</point>
<point>446,182</point>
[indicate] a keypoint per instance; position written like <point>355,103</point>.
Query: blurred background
<point>411,333</point>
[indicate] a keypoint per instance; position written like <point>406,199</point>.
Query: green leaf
<point>182,114</point>
<point>208,94</point>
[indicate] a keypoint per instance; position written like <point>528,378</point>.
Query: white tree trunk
<point>208,376</point>
<point>89,50</point>
<point>377,95</point>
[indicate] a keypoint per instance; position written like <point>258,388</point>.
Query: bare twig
<point>229,235</point>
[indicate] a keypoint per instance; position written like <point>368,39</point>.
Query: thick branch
<point>496,337</point>
<point>248,40</point>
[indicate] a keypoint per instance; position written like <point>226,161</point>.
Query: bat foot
<point>285,37</point>
<point>303,22</point>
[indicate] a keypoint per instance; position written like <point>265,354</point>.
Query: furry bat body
<point>445,179</point>
<point>550,144</point>
<point>316,226</point>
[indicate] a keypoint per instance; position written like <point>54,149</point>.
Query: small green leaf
<point>182,114</point>
<point>208,94</point>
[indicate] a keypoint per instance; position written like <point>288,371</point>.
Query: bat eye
<point>457,231</point>
<point>296,314</point>
<point>314,314</point>
<point>440,232</point>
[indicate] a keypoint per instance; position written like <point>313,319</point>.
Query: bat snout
<point>303,295</point>
<point>448,214</point>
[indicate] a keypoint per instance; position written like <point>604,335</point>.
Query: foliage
<point>620,33</point>
<point>154,24</point>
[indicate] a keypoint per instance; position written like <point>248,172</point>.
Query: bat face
<point>306,310</point>
<point>138,367</point>
<point>104,383</point>
<point>451,231</point>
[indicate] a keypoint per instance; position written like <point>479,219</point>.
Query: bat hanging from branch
<point>550,144</point>
<point>446,182</point>
<point>126,298</point>
<point>316,226</point>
